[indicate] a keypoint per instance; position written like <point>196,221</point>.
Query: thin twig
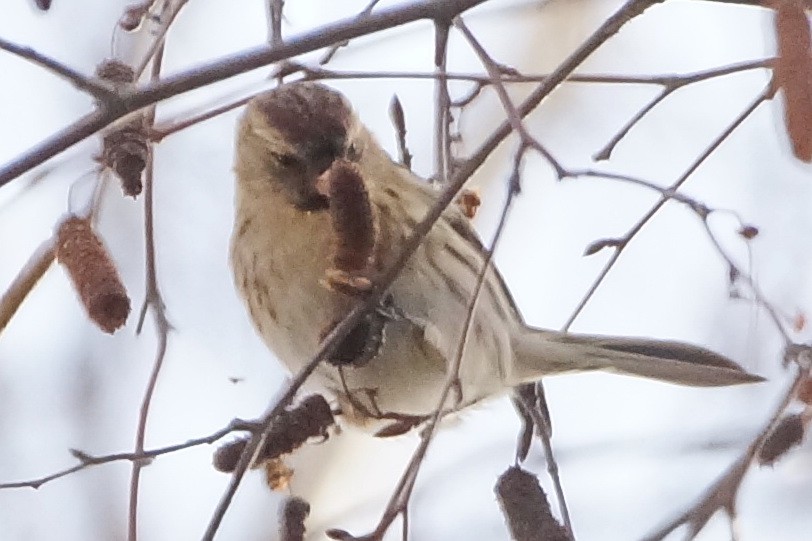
<point>153,300</point>
<point>442,103</point>
<point>158,133</point>
<point>93,86</point>
<point>310,73</point>
<point>88,461</point>
<point>507,104</point>
<point>703,212</point>
<point>275,8</point>
<point>157,43</point>
<point>722,494</point>
<point>671,85</point>
<point>665,80</point>
<point>632,233</point>
<point>331,52</point>
<point>39,262</point>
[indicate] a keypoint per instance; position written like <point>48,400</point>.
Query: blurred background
<point>632,453</point>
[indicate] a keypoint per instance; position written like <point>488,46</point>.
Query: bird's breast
<point>279,257</point>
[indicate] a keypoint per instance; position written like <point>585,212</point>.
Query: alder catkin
<point>294,512</point>
<point>352,218</point>
<point>125,145</point>
<point>93,274</point>
<point>526,509</point>
<point>125,150</point>
<point>793,73</point>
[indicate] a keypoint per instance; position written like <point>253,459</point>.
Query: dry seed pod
<point>748,232</point>
<point>277,474</point>
<point>227,456</point>
<point>115,71</point>
<point>787,434</point>
<point>469,201</point>
<point>134,15</point>
<point>125,150</point>
<point>793,73</point>
<point>526,508</point>
<point>293,427</point>
<point>93,274</point>
<point>354,228</point>
<point>291,519</point>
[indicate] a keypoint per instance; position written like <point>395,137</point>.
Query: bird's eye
<point>286,160</point>
<point>353,152</point>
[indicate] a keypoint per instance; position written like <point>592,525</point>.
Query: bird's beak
<point>323,182</point>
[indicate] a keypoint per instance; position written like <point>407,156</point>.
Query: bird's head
<point>291,135</point>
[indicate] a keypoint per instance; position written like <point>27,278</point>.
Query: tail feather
<point>540,352</point>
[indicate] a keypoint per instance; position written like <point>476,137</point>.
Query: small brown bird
<point>291,141</point>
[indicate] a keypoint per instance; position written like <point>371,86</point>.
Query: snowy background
<point>632,453</point>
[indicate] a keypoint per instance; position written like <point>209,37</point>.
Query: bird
<point>294,144</point>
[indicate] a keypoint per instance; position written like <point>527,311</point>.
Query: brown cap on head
<point>310,116</point>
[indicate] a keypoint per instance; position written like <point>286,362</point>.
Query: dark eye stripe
<point>287,160</point>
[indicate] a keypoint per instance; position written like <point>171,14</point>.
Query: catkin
<point>93,274</point>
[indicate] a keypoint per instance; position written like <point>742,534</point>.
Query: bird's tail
<point>540,352</point>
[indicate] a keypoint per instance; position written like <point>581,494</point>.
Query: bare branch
<point>224,68</point>
<point>331,52</point>
<point>153,300</point>
<point>39,262</point>
<point>494,72</point>
<point>88,461</point>
<point>723,493</point>
<point>671,85</point>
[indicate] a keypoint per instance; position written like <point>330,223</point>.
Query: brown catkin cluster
<point>526,508</point>
<point>93,274</point>
<point>290,430</point>
<point>793,73</point>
